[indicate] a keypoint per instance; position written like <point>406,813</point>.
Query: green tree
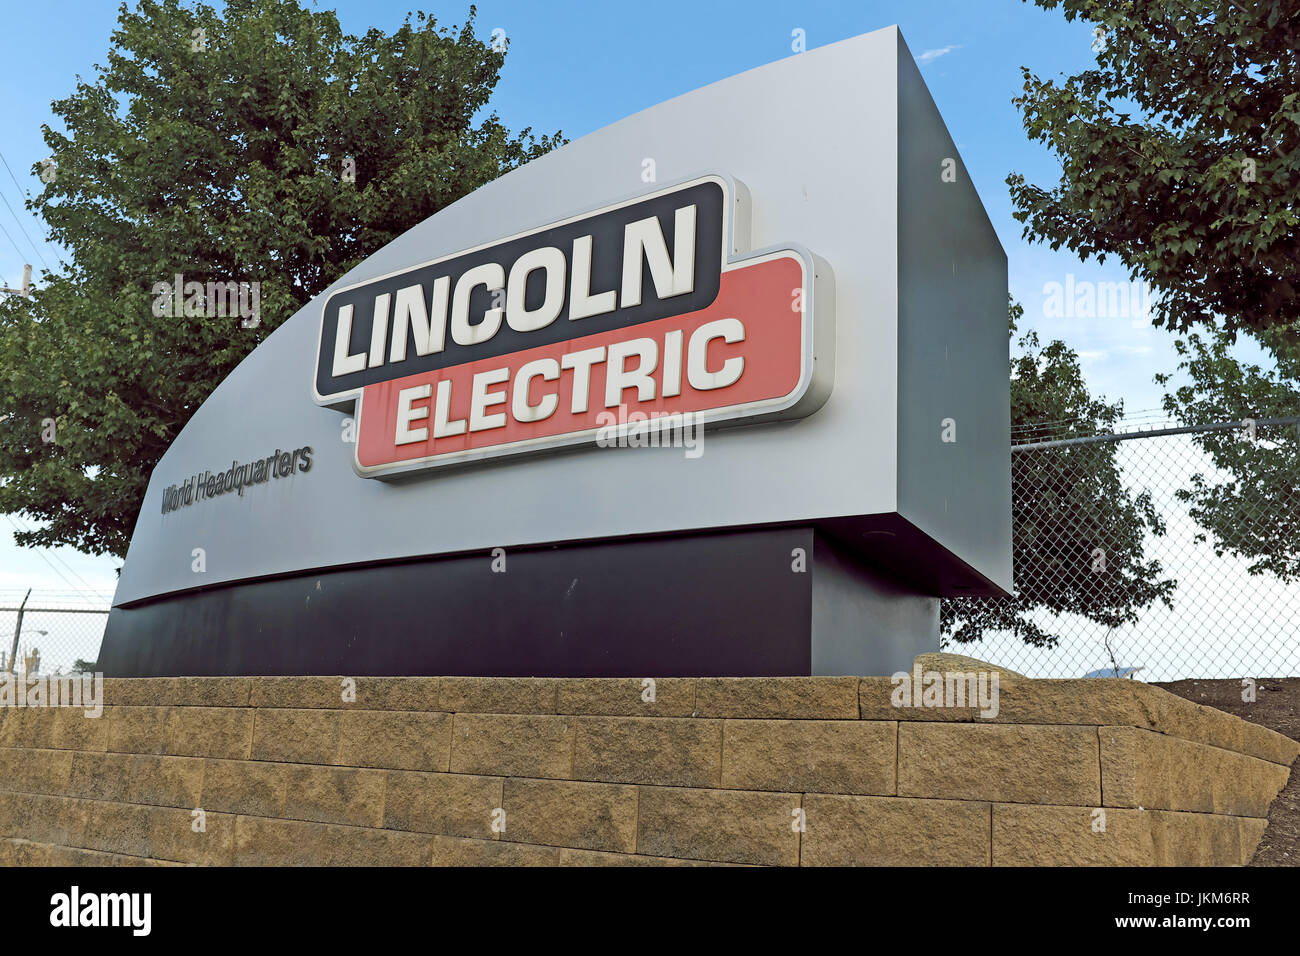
<point>1250,505</point>
<point>1180,155</point>
<point>1068,502</point>
<point>257,144</point>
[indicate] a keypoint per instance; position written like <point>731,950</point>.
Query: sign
<point>487,363</point>
<point>633,312</point>
<point>207,485</point>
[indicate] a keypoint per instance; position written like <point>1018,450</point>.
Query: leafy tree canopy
<point>257,144</point>
<point>1249,503</point>
<point>1180,155</point>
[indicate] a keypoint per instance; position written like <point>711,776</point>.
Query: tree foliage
<point>1249,503</point>
<point>1068,502</point>
<point>1180,155</point>
<point>217,145</point>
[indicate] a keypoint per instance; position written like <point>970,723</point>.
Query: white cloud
<point>929,56</point>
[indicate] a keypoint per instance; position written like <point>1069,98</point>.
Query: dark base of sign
<point>770,602</point>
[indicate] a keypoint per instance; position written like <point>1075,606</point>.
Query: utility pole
<point>18,629</point>
<point>26,290</point>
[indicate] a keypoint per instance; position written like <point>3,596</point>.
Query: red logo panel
<point>764,302</point>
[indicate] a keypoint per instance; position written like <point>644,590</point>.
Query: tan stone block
<point>894,831</point>
<point>1180,717</point>
<point>941,662</point>
<point>1120,764</point>
<point>260,841</point>
<point>12,814</point>
<point>210,691</point>
<point>1249,832</point>
<point>244,786</point>
<point>823,756</point>
<point>353,846</point>
<point>729,826</point>
<point>877,702</point>
<point>1019,701</point>
<point>454,851</point>
<point>137,691</point>
<point>263,842</point>
<point>45,854</point>
<point>1158,771</point>
<point>9,737</point>
<point>116,828</point>
<point>172,836</point>
<point>1195,839</point>
<point>398,693</point>
<point>326,693</point>
<point>296,736</point>
<point>1269,745</point>
<point>137,730</point>
<point>335,795</point>
<point>395,740</point>
<point>14,811</point>
<point>450,804</point>
<point>18,852</point>
<point>498,695</point>
<point>570,857</point>
<point>795,698</point>
<point>1065,836</point>
<point>590,816</point>
<point>624,697</point>
<point>76,856</point>
<point>100,776</point>
<point>30,728</point>
<point>35,771</point>
<point>169,691</point>
<point>670,751</point>
<point>43,818</point>
<point>63,821</point>
<point>164,781</point>
<point>74,730</point>
<point>512,745</point>
<point>999,762</point>
<point>222,732</point>
<point>1096,700</point>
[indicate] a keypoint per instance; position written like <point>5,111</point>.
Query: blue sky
<point>578,66</point>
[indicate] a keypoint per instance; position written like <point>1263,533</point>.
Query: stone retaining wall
<point>780,771</point>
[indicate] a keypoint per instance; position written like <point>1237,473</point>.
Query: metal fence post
<point>18,629</point>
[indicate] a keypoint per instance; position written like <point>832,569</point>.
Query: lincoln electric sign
<point>827,306</point>
<point>634,312</point>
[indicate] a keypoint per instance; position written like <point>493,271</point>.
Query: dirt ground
<point>1277,707</point>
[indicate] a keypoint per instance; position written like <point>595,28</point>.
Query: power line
<point>22,256</point>
<point>42,556</point>
<point>15,215</point>
<point>56,557</point>
<point>24,232</point>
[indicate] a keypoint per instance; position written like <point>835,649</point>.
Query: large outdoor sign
<point>630,315</point>
<point>821,307</point>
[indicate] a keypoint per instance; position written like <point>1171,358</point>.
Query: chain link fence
<point>1163,553</point>
<point>1168,552</point>
<point>50,634</point>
